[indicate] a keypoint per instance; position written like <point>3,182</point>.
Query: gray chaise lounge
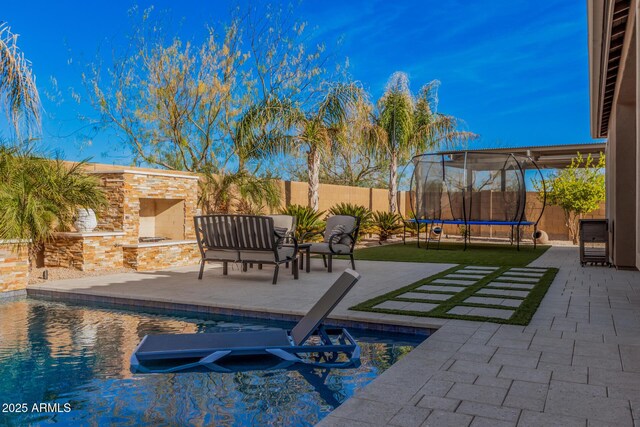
<point>206,350</point>
<point>244,238</point>
<point>339,238</point>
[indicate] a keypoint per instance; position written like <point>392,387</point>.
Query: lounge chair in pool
<point>164,353</point>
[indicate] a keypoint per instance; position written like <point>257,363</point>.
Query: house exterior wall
<point>623,145</point>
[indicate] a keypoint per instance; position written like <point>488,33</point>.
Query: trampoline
<point>472,188</point>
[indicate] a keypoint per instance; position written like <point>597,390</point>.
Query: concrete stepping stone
<point>518,279</point>
<point>480,267</point>
<point>420,306</point>
<point>491,312</point>
<point>441,288</point>
<point>522,274</point>
<point>494,301</point>
<point>519,294</point>
<point>393,305</point>
<point>468,273</point>
<point>458,282</point>
<point>464,276</point>
<point>460,310</point>
<point>530,269</point>
<point>425,296</point>
<point>512,285</point>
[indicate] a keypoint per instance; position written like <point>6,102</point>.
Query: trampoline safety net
<point>473,187</point>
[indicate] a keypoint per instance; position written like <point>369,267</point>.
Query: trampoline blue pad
<point>462,222</point>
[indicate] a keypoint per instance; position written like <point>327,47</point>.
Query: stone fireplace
<point>161,219</point>
<point>147,225</point>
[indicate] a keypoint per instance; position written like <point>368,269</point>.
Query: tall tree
<point>353,160</point>
<point>208,107</point>
<point>316,131</point>
<point>578,189</point>
<point>18,93</point>
<point>412,124</point>
<point>178,104</point>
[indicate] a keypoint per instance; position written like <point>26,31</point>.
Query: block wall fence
<point>377,199</point>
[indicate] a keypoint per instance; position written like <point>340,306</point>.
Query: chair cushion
<point>222,254</point>
<point>284,253</point>
<point>348,222</point>
<point>323,248</point>
<point>335,235</point>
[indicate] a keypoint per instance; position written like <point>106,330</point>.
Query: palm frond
<point>18,93</point>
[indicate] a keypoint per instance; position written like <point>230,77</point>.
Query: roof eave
<point>595,17</point>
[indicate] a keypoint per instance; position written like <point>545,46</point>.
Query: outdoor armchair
<point>339,238</point>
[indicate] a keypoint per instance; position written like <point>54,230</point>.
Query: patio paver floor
<point>576,363</point>
<point>566,368</point>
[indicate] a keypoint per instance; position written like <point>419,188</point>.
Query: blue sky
<point>515,71</point>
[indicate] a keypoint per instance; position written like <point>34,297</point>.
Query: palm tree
<point>39,196</point>
<point>320,130</point>
<point>412,124</point>
<point>316,131</point>
<point>18,93</point>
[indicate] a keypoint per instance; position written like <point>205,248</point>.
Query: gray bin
<point>594,242</point>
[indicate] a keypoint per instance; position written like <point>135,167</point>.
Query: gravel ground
<point>70,273</point>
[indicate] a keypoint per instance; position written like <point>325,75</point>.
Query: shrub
<point>578,189</point>
<point>307,220</point>
<point>359,211</point>
<point>39,196</point>
<point>386,224</point>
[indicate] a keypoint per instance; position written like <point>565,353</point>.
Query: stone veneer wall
<point>85,252</point>
<point>124,189</point>
<point>149,258</point>
<point>137,186</point>
<point>14,267</point>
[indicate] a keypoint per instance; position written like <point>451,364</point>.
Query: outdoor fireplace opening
<point>161,219</point>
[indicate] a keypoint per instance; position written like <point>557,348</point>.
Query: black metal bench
<point>247,239</point>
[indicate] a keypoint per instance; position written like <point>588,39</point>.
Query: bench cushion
<point>222,255</point>
<point>284,253</point>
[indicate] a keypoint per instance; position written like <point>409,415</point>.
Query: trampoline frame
<point>516,226</point>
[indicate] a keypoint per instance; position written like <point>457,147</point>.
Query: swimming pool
<point>72,362</point>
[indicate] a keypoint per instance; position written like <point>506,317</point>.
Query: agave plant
<point>308,221</point>
<point>386,224</point>
<point>359,211</point>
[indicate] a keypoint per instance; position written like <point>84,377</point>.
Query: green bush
<point>386,224</point>
<point>359,211</point>
<point>39,196</point>
<point>307,220</point>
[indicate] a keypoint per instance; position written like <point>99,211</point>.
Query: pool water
<point>72,362</point>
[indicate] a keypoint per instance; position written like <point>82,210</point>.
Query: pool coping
<point>387,325</point>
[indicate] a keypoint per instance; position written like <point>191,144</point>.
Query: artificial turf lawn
<point>454,253</point>
<point>521,316</point>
